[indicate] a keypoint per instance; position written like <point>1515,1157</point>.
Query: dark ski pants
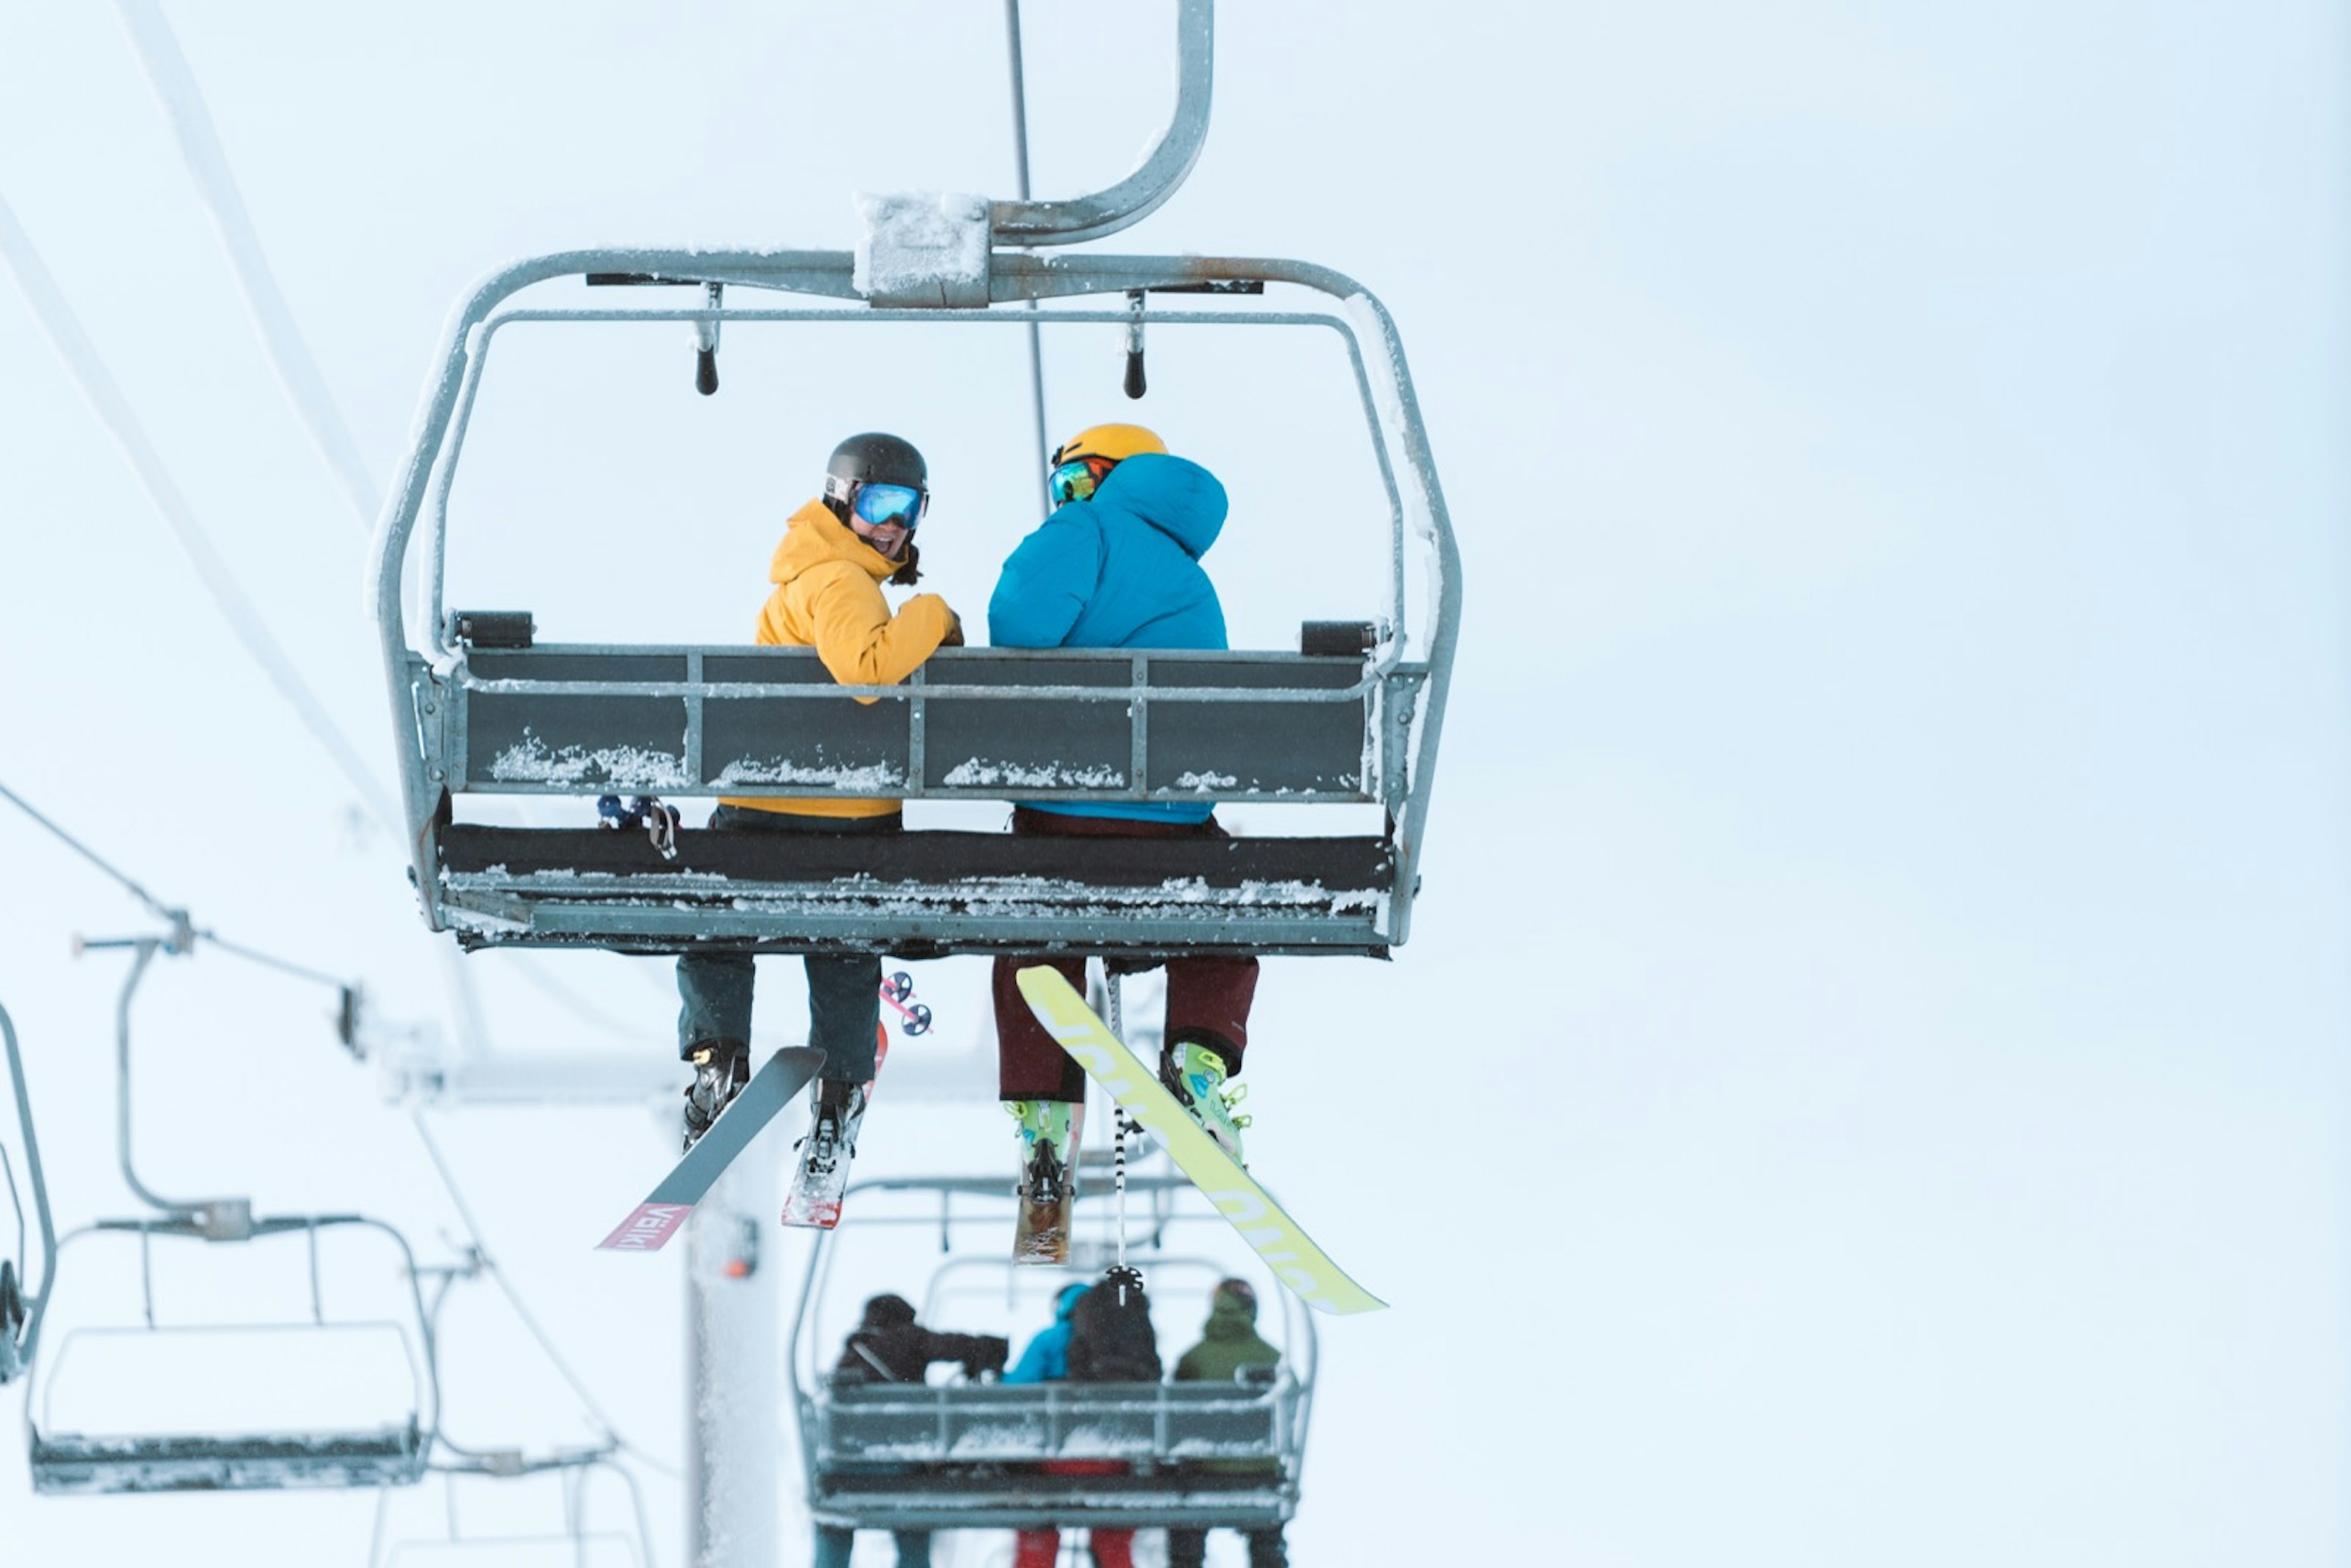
<point>1208,999</point>
<point>834,1545</point>
<point>1189,1548</point>
<point>844,991</point>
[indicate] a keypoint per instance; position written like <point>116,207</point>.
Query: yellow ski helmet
<point>1115,442</point>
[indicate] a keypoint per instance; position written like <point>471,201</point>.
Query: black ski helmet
<point>874,457</point>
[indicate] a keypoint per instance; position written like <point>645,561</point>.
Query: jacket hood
<point>813,535</point>
<point>1230,1317</point>
<point>888,1311</point>
<point>1067,1302</point>
<point>1174,495</point>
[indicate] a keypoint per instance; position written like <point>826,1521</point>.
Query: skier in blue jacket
<point>1117,565</point>
<point>1047,1359</point>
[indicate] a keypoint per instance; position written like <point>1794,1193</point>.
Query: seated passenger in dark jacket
<point>889,1347</point>
<point>1110,1340</point>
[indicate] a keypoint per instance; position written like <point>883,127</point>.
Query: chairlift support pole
<point>734,1327</point>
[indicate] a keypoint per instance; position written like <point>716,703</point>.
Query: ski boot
<point>1194,1074</point>
<point>720,1070</point>
<point>1049,1159</point>
<point>822,1173</point>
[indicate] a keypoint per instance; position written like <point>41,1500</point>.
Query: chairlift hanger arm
<point>19,1354</point>
<point>1162,171</point>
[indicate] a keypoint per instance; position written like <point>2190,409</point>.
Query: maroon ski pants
<point>1208,999</point>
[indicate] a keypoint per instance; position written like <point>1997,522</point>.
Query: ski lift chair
<point>390,1454</point>
<point>20,1318</point>
<point>478,707</point>
<point>966,1455</point>
<point>575,1545</point>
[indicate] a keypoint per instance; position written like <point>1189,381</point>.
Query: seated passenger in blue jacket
<point>1117,565</point>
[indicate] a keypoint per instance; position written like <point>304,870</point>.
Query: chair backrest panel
<point>932,737</point>
<point>1007,744</point>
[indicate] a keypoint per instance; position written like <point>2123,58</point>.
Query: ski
<point>1296,1260</point>
<point>1042,1233</point>
<point>671,1205</point>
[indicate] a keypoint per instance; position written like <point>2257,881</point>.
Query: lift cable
<point>1020,165</point>
<point>155,905</point>
<point>182,102</point>
<point>522,1310</point>
<point>57,322</point>
<point>176,917</point>
<point>181,99</point>
<point>87,370</point>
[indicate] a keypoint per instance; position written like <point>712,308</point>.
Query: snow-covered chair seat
<point>969,1456</point>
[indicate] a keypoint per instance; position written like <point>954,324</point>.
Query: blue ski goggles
<point>881,505</point>
<point>1076,479</point>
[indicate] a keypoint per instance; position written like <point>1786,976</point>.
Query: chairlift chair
<point>390,1454</point>
<point>64,1460</point>
<point>480,708</point>
<point>965,1455</point>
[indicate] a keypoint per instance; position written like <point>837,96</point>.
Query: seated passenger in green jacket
<point>1229,1349</point>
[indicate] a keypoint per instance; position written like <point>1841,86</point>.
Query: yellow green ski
<point>1295,1260</point>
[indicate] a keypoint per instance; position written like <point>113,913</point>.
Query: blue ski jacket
<point>1120,570</point>
<point>1047,1359</point>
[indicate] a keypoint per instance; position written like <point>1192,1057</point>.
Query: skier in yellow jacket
<point>836,552</point>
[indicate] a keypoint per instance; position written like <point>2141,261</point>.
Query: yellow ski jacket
<point>828,596</point>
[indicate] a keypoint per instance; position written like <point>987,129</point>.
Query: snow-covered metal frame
<point>20,1320</point>
<point>393,1454</point>
<point>1197,898</point>
<point>966,1454</point>
<point>64,1461</point>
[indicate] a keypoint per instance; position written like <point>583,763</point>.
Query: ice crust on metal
<point>531,762</point>
<point>922,247</point>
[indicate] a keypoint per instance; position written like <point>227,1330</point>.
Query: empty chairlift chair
<point>204,1446</point>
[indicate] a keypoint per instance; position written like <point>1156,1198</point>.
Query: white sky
<point>1867,1083</point>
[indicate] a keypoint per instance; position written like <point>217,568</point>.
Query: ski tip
<point>649,1229</point>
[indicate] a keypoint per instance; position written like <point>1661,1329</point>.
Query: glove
<point>990,1360</point>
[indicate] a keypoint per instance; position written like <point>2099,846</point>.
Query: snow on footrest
<point>938,892</point>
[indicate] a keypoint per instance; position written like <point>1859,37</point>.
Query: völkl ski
<point>665,1212</point>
